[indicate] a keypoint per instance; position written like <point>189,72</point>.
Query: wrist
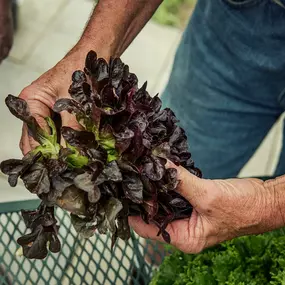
<point>86,44</point>
<point>56,81</point>
<point>276,201</point>
<point>75,58</point>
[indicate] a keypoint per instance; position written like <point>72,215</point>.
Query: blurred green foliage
<point>174,12</point>
<point>250,260</point>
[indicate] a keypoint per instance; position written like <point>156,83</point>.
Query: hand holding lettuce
<point>222,210</point>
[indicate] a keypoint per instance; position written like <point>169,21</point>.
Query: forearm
<point>114,24</point>
<point>275,214</point>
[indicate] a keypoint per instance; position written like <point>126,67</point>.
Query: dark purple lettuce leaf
<point>69,105</point>
<point>43,234</point>
<point>139,120</point>
<point>107,215</point>
<point>116,71</point>
<point>127,166</point>
<point>156,104</point>
<point>113,167</point>
<point>78,77</point>
<point>169,181</point>
<point>80,90</point>
<point>154,167</point>
<point>179,203</point>
<point>13,168</point>
<point>94,195</point>
<point>96,155</point>
<point>84,226</point>
<point>123,139</point>
<point>162,150</point>
<point>141,94</point>
<point>59,184</point>
<point>111,172</point>
<point>86,183</point>
<point>55,166</point>
<point>90,62</point>
<point>136,148</point>
<point>96,114</point>
<point>109,99</point>
<point>102,69</point>
<point>73,200</point>
<point>133,187</point>
<point>110,189</point>
<point>123,228</point>
<point>20,109</point>
<point>80,139</point>
<point>37,180</point>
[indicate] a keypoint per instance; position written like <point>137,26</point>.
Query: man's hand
<point>223,209</point>
<point>110,30</point>
<point>43,93</point>
<point>6,28</point>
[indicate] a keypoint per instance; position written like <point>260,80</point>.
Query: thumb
<point>69,120</point>
<point>190,186</point>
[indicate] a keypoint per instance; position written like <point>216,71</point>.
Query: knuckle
<point>194,249</point>
<point>25,93</point>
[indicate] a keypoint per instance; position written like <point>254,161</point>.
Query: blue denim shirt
<point>227,84</point>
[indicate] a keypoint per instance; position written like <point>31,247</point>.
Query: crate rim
<point>16,206</point>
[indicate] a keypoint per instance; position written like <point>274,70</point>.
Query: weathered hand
<point>223,209</point>
<point>42,94</point>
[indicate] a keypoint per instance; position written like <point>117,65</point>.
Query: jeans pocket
<point>241,3</point>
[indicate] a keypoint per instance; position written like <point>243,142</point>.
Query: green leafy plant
<point>247,260</point>
<point>174,12</point>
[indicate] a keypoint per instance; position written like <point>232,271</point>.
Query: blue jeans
<point>227,85</point>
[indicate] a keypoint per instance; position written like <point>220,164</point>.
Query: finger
<point>33,143</point>
<point>178,231</point>
<point>150,230</point>
<point>190,186</point>
<point>34,94</point>
<point>24,142</point>
<point>43,124</point>
<point>27,143</point>
<point>144,230</point>
<point>68,120</point>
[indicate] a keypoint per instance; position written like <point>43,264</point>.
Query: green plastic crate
<point>81,261</point>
